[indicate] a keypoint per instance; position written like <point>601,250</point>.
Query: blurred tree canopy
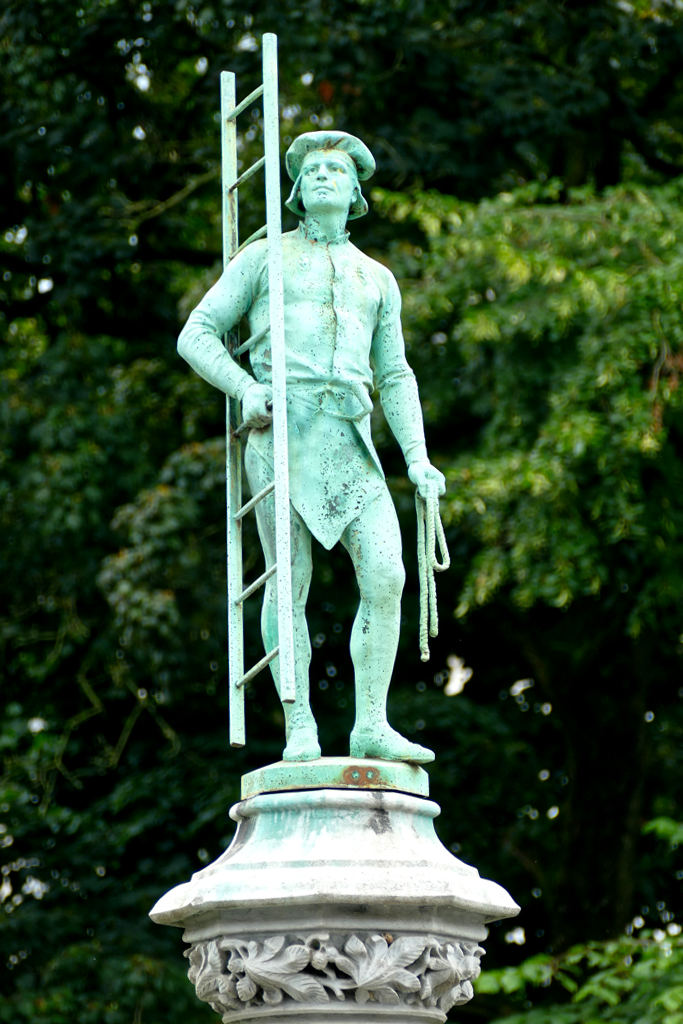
<point>528,198</point>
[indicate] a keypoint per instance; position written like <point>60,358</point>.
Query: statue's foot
<point>302,744</point>
<point>387,744</point>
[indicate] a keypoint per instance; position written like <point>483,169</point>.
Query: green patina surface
<point>336,339</point>
<point>336,773</point>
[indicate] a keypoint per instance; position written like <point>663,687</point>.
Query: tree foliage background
<point>528,197</point>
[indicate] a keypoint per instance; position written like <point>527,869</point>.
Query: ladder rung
<point>247,174</point>
<point>256,584</point>
<point>248,676</point>
<point>250,342</point>
<point>245,103</point>
<point>255,500</point>
<point>252,238</point>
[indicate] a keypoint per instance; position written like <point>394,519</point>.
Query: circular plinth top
<point>336,773</point>
<point>327,848</point>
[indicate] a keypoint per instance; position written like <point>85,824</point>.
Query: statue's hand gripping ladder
<point>236,511</point>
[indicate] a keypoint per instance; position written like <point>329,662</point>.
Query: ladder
<point>237,594</point>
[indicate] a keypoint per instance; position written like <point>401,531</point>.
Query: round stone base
<point>331,904</point>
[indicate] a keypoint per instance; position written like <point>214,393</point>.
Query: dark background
<point>117,776</point>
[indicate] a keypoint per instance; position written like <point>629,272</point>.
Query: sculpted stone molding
<point>233,975</point>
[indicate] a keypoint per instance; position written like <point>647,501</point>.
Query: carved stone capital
<point>415,977</point>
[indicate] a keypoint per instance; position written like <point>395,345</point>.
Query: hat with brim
<point>313,142</point>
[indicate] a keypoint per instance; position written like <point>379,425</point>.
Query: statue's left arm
<point>397,386</point>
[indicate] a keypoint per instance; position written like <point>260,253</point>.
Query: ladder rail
<point>271,132</point>
<point>233,449</point>
<point>231,181</point>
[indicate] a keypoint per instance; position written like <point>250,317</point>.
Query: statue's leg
<point>373,541</point>
<point>301,730</point>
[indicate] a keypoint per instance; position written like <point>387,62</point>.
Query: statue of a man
<point>343,339</point>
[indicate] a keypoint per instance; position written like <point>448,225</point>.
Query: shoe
<point>302,745</point>
<point>387,744</point>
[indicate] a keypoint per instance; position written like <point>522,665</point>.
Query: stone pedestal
<point>335,901</point>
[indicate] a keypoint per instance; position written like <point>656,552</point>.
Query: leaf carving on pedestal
<point>446,973</point>
<point>276,969</point>
<point>379,968</point>
<point>233,974</point>
<point>207,973</point>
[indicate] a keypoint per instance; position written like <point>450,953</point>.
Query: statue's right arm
<point>200,342</point>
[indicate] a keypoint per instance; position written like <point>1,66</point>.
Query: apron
<point>334,470</point>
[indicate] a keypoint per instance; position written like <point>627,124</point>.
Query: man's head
<point>328,182</point>
<point>325,168</point>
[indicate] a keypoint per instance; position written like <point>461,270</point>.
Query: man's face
<point>327,182</point>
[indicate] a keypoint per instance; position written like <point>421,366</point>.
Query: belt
<point>347,401</point>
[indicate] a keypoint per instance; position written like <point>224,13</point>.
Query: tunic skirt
<point>334,471</point>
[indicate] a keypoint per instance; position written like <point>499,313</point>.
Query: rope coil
<point>429,530</point>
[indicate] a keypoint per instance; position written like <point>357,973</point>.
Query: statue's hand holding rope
<point>431,484</point>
